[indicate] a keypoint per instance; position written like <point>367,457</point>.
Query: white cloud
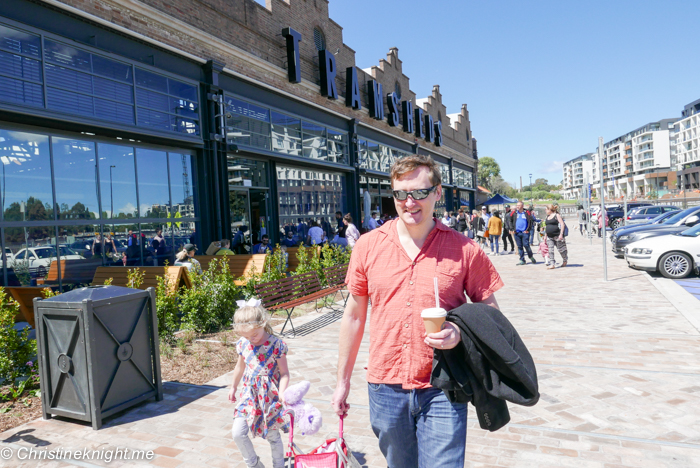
<point>552,167</point>
<point>128,208</point>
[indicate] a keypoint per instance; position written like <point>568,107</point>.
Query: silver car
<point>644,214</point>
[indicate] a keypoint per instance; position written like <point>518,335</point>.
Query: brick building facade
<point>200,93</point>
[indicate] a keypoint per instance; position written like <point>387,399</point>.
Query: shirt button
<point>404,345</point>
<point>408,303</point>
<point>406,325</point>
<point>414,263</point>
<point>410,282</point>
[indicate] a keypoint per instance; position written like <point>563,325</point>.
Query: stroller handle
<point>290,413</point>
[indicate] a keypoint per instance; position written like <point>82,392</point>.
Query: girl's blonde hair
<point>248,318</point>
<point>181,255</point>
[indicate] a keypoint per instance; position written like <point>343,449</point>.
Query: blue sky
<point>542,80</point>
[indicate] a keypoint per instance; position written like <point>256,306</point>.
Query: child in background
<point>262,363</point>
<point>544,251</point>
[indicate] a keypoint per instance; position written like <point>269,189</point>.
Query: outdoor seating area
<point>240,266</point>
<point>120,276</point>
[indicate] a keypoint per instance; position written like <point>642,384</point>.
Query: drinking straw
<point>437,293</point>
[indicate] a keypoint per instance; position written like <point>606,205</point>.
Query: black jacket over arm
<point>490,366</point>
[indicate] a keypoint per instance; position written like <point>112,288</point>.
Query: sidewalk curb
<point>681,299</point>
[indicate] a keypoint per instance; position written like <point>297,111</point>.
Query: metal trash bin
<point>98,352</point>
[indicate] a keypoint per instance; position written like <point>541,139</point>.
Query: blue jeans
<point>522,241</point>
<point>532,235</point>
<point>494,240</point>
<point>418,428</point>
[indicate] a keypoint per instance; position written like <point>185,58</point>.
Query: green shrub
<point>211,301</point>
<point>16,349</point>
<point>167,298</point>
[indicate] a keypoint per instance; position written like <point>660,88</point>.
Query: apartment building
<point>638,163</point>
<point>685,141</point>
<point>576,172</point>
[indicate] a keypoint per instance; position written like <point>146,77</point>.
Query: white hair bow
<point>252,302</point>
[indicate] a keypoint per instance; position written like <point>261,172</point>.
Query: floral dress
<point>259,403</point>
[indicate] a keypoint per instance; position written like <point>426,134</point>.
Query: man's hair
<point>373,213</point>
<point>339,213</point>
<point>410,163</point>
<point>265,236</point>
<point>225,242</point>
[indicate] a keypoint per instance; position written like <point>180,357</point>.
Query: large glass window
<point>29,252</point>
<point>182,190</point>
<point>26,192</point>
<point>247,172</point>
<point>307,195</point>
<point>82,83</point>
<point>166,104</point>
<point>286,134</point>
<point>252,125</point>
<point>20,67</point>
<point>462,178</point>
<point>154,195</point>
<point>377,157</point>
<point>117,181</point>
<point>75,172</point>
<point>248,124</point>
<point>444,173</point>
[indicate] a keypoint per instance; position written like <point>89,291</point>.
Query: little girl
<point>262,363</point>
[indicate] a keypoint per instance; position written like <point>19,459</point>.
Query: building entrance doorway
<point>250,218</point>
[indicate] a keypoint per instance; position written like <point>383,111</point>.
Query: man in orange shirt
<point>394,266</point>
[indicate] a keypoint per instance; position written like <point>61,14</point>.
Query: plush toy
<point>307,418</point>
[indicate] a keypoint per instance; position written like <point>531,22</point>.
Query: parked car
<point>616,213</point>
<point>8,255</point>
<point>674,255</point>
<point>643,214</point>
<point>678,222</point>
<point>40,258</point>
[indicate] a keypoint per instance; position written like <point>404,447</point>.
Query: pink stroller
<point>333,453</point>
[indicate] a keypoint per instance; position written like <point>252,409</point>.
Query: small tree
<point>16,349</point>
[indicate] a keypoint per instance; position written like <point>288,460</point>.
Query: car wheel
<point>617,223</point>
<point>675,265</point>
<point>41,271</point>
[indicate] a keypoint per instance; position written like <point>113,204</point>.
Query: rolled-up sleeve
<point>482,279</point>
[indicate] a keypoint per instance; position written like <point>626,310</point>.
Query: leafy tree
<point>488,168</point>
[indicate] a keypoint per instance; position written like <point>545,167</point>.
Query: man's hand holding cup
<point>439,334</point>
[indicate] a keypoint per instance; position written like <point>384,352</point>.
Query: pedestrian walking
<point>416,424</point>
<point>479,228</point>
<point>531,211</point>
<point>554,230</point>
<point>495,228</point>
<point>316,235</point>
<point>602,215</point>
<point>524,223</point>
<point>352,234</point>
<point>159,247</point>
<point>508,227</point>
<point>582,218</point>
<point>461,222</point>
<point>262,365</point>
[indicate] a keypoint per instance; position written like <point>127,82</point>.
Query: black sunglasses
<point>419,194</point>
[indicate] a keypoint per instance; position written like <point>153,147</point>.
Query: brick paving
<point>618,365</point>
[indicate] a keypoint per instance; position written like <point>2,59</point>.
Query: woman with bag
<point>479,228</point>
<point>555,229</point>
<point>461,222</point>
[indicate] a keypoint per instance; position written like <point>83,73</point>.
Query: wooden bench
<point>288,293</point>
<point>72,272</point>
<point>177,276</point>
<point>24,296</point>
<point>239,265</point>
<point>335,277</point>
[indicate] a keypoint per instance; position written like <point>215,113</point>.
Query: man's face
<point>130,233</point>
<point>265,240</point>
<point>446,214</point>
<point>290,235</point>
<point>519,206</point>
<point>484,211</point>
<point>416,212</point>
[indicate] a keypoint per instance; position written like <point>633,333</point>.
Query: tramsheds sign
<point>414,120</point>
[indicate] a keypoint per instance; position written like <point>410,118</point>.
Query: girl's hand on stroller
<point>232,395</point>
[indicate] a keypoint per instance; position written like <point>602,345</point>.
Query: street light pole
<point>111,193</point>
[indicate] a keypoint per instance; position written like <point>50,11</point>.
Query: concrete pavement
<point>618,365</point>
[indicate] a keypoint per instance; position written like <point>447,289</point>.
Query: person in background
<point>581,214</point>
<point>508,227</point>
<point>264,246</point>
<point>479,229</point>
<point>110,246</point>
<point>602,215</point>
<point>351,232</point>
<point>339,219</point>
<point>288,240</point>
<point>461,222</point>
<point>186,258</point>
<point>495,228</point>
<point>554,228</point>
<point>531,211</point>
<point>446,219</point>
<point>524,223</point>
<point>316,235</point>
<point>158,245</point>
<point>225,248</point>
<point>97,246</point>
<point>238,244</point>
<point>373,221</point>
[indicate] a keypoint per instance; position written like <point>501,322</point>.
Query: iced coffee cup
<point>433,319</point>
